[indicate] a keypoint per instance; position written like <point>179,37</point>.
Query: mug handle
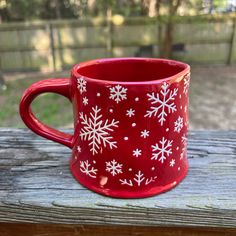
<point>59,86</point>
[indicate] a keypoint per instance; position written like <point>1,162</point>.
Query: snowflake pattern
<point>138,179</point>
<point>81,85</point>
<point>87,169</point>
<point>144,133</point>
<point>130,112</point>
<point>178,124</point>
<point>172,162</point>
<point>113,167</point>
<point>185,109</point>
<point>118,93</point>
<point>186,83</point>
<point>79,149</point>
<point>97,131</point>
<point>184,141</point>
<point>162,151</point>
<point>164,103</point>
<point>137,152</point>
<point>85,101</point>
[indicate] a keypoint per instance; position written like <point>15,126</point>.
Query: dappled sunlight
<point>40,41</point>
<point>70,36</point>
<point>124,52</point>
<point>118,19</point>
<point>97,21</point>
<point>68,58</point>
<point>147,38</point>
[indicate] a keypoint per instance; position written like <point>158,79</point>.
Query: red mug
<point>130,124</point>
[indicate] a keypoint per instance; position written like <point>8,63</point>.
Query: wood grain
<point>36,187</point>
<point>29,229</point>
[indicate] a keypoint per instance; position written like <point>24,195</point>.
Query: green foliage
<point>52,109</point>
<point>21,10</point>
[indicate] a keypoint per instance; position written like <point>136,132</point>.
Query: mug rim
<point>183,72</point>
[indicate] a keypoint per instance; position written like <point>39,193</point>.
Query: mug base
<point>130,194</point>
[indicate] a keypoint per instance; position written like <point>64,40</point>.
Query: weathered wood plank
<point>19,229</point>
<point>36,186</point>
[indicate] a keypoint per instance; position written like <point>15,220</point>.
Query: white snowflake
<point>130,112</point>
<point>118,93</point>
<point>113,167</point>
<point>185,109</point>
<point>186,83</point>
<point>137,152</point>
<point>149,180</point>
<point>81,85</point>
<point>144,133</point>
<point>78,149</point>
<point>178,124</point>
<point>161,152</point>
<point>126,182</point>
<point>86,168</point>
<point>164,101</point>
<point>184,141</point>
<point>97,131</point>
<point>139,178</point>
<point>172,162</point>
<point>85,101</point>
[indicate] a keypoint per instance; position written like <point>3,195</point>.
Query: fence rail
<point>54,45</point>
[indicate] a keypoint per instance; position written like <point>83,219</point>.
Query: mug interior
<point>131,69</point>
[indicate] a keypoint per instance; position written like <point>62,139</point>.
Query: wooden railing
<point>39,196</point>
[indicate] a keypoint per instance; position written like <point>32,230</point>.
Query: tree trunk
<point>166,51</point>
<point>159,25</point>
<point>57,8</point>
<point>168,40</point>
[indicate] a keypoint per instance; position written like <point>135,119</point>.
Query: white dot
<point>180,96</point>
<point>130,169</point>
<point>133,124</point>
<point>153,168</point>
<point>136,99</point>
<point>94,162</point>
<point>98,94</point>
<point>178,168</point>
<point>181,107</point>
<point>177,148</point>
<point>75,157</point>
<point>126,138</point>
<point>111,110</point>
<point>167,129</point>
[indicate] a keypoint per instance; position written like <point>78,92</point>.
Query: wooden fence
<point>54,45</point>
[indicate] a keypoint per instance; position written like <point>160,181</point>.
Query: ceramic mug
<point>130,124</point>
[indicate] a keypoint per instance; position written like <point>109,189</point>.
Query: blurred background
<point>44,38</point>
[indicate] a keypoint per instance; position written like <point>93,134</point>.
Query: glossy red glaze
<point>131,122</point>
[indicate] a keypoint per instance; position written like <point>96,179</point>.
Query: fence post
<point>109,33</point>
<point>52,56</point>
<point>232,42</point>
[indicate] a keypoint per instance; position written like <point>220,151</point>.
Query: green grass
<point>52,109</point>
